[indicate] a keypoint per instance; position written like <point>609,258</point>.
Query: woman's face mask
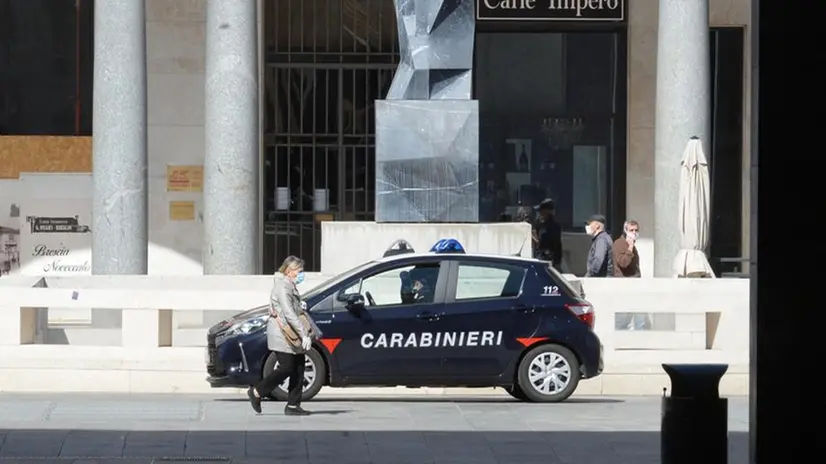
<point>299,277</point>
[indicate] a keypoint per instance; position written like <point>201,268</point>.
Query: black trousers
<point>290,366</point>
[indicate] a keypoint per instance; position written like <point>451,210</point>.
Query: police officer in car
<point>547,235</point>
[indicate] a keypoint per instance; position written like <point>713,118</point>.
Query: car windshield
<point>330,283</point>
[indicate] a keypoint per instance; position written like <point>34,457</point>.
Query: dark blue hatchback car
<point>439,319</point>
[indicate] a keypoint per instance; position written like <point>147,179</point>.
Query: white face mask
<point>631,235</point>
<point>588,229</point>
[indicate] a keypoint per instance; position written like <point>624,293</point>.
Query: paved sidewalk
<point>142,429</point>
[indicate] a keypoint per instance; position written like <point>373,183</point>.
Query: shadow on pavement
<point>457,399</point>
<point>433,399</point>
<point>287,442</point>
<point>316,412</point>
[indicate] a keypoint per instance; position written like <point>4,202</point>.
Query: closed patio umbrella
<point>694,214</point>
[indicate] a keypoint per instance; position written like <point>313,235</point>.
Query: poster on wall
<point>184,178</point>
<point>9,228</point>
<point>55,231</point>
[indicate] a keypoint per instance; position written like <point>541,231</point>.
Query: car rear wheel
<point>314,374</point>
<point>548,374</point>
<point>516,392</point>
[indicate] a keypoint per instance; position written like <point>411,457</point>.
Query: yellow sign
<point>324,217</point>
<point>184,178</point>
<point>181,210</point>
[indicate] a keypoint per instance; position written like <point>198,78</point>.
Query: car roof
<point>480,256</point>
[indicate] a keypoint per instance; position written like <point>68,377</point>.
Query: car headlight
<point>248,326</point>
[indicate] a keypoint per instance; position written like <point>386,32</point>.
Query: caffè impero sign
<point>550,10</point>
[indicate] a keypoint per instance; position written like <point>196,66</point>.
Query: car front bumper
<point>235,379</point>
<point>222,382</point>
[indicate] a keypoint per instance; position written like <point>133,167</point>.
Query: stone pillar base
<point>147,328</point>
<point>18,326</point>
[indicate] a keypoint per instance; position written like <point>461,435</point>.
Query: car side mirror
<point>355,302</point>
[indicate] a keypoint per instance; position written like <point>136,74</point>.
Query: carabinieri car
<point>439,319</point>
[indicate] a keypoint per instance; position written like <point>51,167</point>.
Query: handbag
<point>292,338</point>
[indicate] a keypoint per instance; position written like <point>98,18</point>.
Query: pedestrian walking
<point>627,264</point>
<point>290,334</point>
<point>600,256</point>
<point>626,256</point>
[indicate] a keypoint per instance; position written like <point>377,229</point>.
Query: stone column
<point>683,110</point>
<point>231,218</point>
<point>119,206</point>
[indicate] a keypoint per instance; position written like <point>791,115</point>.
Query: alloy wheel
<point>549,373</point>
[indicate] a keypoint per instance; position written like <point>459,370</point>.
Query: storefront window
<point>552,124</point>
<point>46,57</point>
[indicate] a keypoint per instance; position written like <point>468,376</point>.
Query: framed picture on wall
<point>519,152</point>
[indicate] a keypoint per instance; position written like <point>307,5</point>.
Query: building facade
<point>566,92</point>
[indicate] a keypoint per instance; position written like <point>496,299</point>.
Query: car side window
<point>482,280</point>
<point>323,306</point>
<point>414,284</point>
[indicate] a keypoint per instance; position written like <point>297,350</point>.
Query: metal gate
<point>327,61</point>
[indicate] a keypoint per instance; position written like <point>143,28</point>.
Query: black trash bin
<point>694,425</point>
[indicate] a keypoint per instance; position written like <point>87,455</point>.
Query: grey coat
<point>285,303</point>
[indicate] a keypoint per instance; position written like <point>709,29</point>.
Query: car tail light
<point>584,312</point>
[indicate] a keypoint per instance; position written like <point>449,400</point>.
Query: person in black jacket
<point>548,235</point>
<point>600,256</point>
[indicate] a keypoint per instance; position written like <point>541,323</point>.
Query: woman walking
<point>290,334</point>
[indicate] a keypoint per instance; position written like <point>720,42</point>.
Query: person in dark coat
<point>548,235</point>
<point>600,256</point>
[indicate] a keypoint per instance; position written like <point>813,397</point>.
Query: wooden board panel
<point>44,154</point>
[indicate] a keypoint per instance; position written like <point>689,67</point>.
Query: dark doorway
<point>552,123</point>
<point>726,158</point>
<point>46,52</point>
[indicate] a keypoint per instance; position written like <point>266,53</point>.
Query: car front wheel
<point>314,374</point>
<point>548,374</point>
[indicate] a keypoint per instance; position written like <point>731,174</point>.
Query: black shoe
<point>255,401</point>
<point>295,411</point>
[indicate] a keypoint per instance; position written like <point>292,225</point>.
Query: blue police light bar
<point>448,245</point>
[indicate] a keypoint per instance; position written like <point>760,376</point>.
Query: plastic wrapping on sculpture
<point>436,47</point>
<point>427,163</point>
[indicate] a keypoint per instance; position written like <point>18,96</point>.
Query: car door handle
<point>430,317</point>
<point>524,308</point>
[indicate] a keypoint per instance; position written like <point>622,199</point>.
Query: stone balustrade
<point>159,344</point>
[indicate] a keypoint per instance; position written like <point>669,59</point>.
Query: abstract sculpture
<point>427,129</point>
<point>436,48</point>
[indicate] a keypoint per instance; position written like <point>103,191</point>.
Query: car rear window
<point>485,280</point>
<point>564,286</point>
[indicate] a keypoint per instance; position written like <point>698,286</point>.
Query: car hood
<point>252,313</point>
<point>258,311</point>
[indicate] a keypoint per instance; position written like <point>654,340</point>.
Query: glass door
<point>552,114</point>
